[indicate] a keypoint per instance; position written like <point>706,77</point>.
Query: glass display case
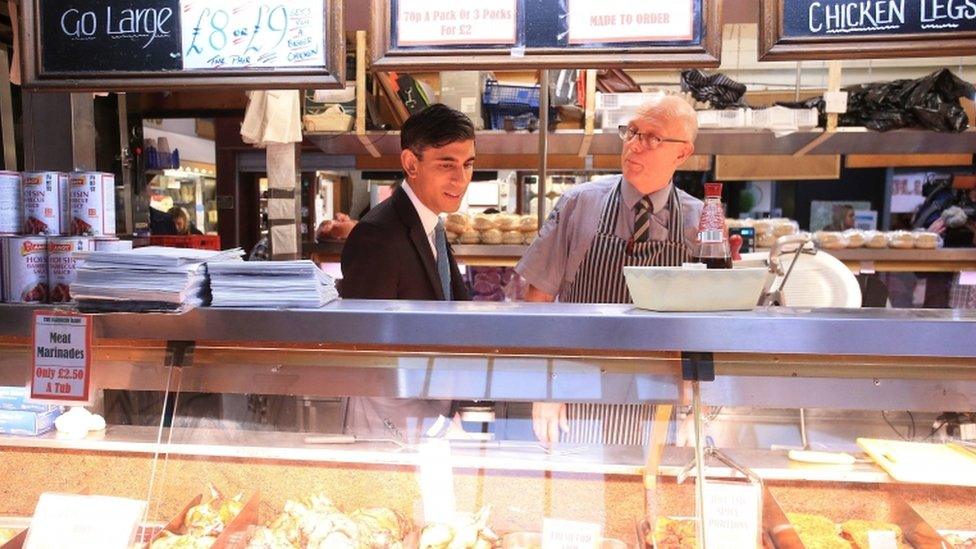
<point>254,402</point>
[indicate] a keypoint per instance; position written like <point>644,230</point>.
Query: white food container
<point>682,289</point>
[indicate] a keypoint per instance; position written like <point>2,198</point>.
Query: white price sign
<point>732,514</point>
<point>62,357</point>
<point>84,522</point>
<point>629,21</point>
<point>570,534</point>
<point>441,22</point>
<point>227,34</point>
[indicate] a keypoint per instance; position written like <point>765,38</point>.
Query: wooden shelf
<point>892,260</point>
<point>477,255</point>
<point>710,141</point>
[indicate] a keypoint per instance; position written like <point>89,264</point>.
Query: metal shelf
<point>710,142</point>
<point>550,329</point>
<point>496,456</point>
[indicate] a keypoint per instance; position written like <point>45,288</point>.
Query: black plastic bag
<point>719,90</point>
<point>930,102</point>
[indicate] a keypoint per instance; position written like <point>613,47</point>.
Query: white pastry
<point>855,238</point>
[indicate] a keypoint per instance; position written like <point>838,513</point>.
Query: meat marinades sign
<point>869,17</point>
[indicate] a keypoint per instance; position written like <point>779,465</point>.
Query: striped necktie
<point>642,223</point>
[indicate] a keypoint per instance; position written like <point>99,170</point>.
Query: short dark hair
<point>435,126</point>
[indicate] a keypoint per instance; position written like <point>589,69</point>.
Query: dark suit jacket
<point>388,256</point>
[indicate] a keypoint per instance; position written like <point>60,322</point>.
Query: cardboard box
<point>27,423</point>
<point>461,90</point>
<point>15,398</point>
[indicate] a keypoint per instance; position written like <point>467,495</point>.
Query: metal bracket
<point>697,366</point>
<point>180,353</point>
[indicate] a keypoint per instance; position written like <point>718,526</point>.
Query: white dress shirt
<point>428,218</point>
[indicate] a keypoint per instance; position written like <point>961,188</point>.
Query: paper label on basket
<point>882,539</point>
<point>436,480</point>
<point>570,534</point>
<point>732,514</point>
<point>62,357</point>
<point>967,278</point>
<point>445,22</point>
<point>84,522</point>
<point>835,102</point>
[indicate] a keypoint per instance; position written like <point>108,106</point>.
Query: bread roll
<point>765,240</point>
<point>470,236</point>
<point>902,240</point>
<point>457,223</point>
<point>458,218</point>
<point>830,240</point>
<point>528,223</point>
<point>513,237</point>
<point>507,222</point>
<point>784,228</point>
<point>875,240</point>
<point>451,236</point>
<point>491,236</point>
<point>855,238</point>
<point>531,236</point>
<point>482,222</point>
<point>763,226</point>
<point>926,240</point>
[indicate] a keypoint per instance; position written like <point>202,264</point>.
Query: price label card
<point>62,357</point>
<point>84,522</point>
<point>732,514</point>
<point>437,480</point>
<point>445,22</point>
<point>224,34</point>
<point>629,21</point>
<point>570,534</point>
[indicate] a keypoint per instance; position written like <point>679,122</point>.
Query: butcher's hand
<point>548,420</point>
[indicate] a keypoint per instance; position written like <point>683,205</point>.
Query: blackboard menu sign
<point>499,34</point>
<point>124,45</point>
<point>843,29</point>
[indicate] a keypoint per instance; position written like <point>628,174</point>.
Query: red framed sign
<point>61,365</point>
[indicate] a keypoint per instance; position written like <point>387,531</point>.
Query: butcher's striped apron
<point>600,279</point>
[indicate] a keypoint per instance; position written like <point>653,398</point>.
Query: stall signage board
<point>438,22</point>
<point>61,369</point>
<point>733,512</point>
<point>84,522</point>
<point>627,21</point>
<point>845,29</point>
<point>882,17</point>
<point>117,45</point>
<point>434,35</point>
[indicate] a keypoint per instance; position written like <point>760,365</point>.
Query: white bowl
<point>679,289</point>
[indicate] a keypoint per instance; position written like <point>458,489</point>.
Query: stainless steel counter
<point>617,330</point>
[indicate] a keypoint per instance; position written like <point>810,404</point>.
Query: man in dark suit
<point>399,251</point>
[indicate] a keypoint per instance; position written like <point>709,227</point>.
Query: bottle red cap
<point>713,190</point>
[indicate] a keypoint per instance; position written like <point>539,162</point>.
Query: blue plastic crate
<point>511,96</point>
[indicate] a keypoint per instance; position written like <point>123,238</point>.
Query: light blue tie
<point>443,266</point>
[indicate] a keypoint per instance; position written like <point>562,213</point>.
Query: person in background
<point>182,222</point>
<point>843,218</point>
<point>636,218</point>
<point>399,250</point>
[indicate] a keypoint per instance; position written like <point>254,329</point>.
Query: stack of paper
<point>290,284</point>
<point>146,279</point>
